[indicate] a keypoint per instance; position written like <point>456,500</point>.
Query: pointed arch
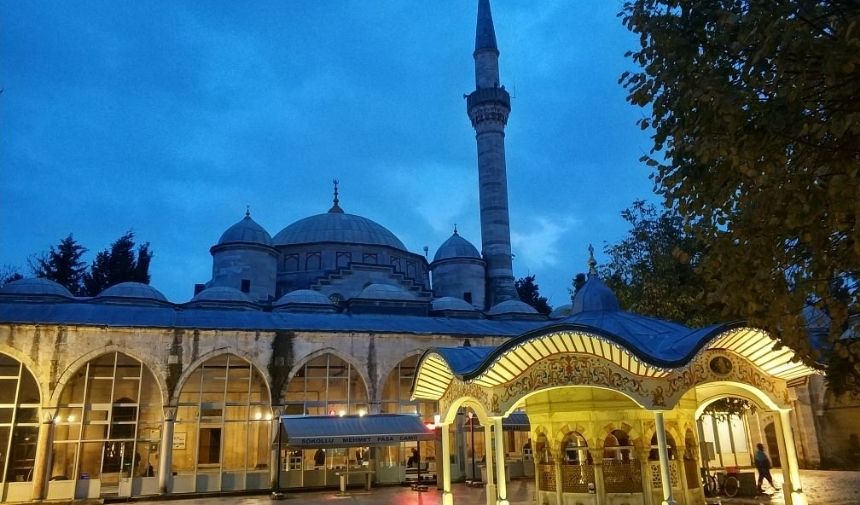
<point>78,363</point>
<point>195,365</point>
<point>326,381</point>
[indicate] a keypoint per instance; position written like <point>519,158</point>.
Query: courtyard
<point>822,488</point>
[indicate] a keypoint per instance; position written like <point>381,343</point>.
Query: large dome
<point>339,228</point>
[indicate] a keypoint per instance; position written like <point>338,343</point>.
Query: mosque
<point>329,354</point>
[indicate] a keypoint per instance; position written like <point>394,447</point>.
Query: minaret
<point>488,107</point>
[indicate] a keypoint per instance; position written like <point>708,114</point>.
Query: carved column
<point>665,477</point>
<point>556,459</point>
<point>165,462</point>
<point>42,463</point>
<point>599,485</point>
<point>447,497</point>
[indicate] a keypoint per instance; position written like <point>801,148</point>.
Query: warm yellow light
<point>72,418</point>
<point>269,416</point>
<point>341,413</point>
<point>258,415</point>
<point>362,413</point>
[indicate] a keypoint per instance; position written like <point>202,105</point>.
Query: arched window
<point>326,385</point>
<point>654,454</point>
<point>108,423</point>
<point>223,421</point>
<point>574,449</point>
<point>19,420</point>
<point>617,446</point>
<point>398,389</point>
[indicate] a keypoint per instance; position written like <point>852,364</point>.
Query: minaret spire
<point>335,208</point>
<point>488,108</point>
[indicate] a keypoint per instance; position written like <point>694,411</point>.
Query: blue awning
<point>353,431</point>
<point>516,421</point>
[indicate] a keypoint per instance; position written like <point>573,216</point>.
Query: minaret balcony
<point>486,96</point>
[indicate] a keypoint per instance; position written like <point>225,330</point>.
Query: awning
<point>352,431</point>
<point>517,421</point>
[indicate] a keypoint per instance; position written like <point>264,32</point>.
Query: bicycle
<point>722,483</point>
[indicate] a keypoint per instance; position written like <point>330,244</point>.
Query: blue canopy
<point>353,431</point>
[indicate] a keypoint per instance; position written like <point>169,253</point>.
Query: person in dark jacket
<point>762,464</point>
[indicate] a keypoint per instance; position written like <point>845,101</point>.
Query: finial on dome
<point>336,208</point>
<point>247,211</point>
<point>455,229</point>
<point>592,263</point>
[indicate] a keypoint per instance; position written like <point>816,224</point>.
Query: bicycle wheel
<point>710,485</point>
<point>731,486</point>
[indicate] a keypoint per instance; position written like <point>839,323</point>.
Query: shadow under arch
<point>466,402</point>
<point>717,390</point>
<point>30,366</point>
<point>382,380</point>
<point>322,352</point>
<point>77,364</point>
<point>194,365</point>
<point>521,401</point>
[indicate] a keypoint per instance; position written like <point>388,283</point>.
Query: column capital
<point>47,415</point>
<point>170,413</point>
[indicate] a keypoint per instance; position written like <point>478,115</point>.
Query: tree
<point>754,108</point>
<point>9,274</point>
<point>529,292</point>
<point>63,265</point>
<point>118,264</point>
<point>653,270</point>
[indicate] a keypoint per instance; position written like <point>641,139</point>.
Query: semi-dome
<point>303,298</point>
<point>511,307</point>
<point>132,290</point>
<point>561,312</point>
<point>337,227</point>
<point>450,303</point>
<point>594,295</point>
<point>221,294</point>
<point>35,286</point>
<point>246,231</point>
<point>385,292</point>
<point>456,247</point>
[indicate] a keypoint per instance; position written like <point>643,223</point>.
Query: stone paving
<point>822,488</point>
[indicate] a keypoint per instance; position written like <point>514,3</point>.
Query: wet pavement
<point>821,487</point>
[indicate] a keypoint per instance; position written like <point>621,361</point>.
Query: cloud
<point>538,247</point>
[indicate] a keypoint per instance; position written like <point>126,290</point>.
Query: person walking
<point>762,464</point>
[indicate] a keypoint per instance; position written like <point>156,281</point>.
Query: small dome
<point>511,307</point>
<point>132,290</point>
<point>594,295</point>
<point>560,312</point>
<point>221,294</point>
<point>456,247</point>
<point>385,292</point>
<point>337,227</point>
<point>451,303</point>
<point>303,297</point>
<point>35,286</point>
<point>246,231</point>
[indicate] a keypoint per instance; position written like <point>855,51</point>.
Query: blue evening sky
<point>167,118</point>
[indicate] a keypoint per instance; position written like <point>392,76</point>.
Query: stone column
<point>556,460</point>
<point>502,487</point>
<point>488,460</point>
<point>41,465</point>
<point>165,462</point>
<point>645,466</point>
<point>668,499</point>
<point>791,487</point>
<point>447,497</point>
<point>274,464</point>
<point>599,485</point>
